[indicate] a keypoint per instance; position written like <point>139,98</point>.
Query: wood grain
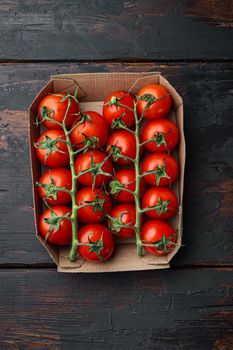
<point>100,30</point>
<point>171,309</point>
<point>207,93</point>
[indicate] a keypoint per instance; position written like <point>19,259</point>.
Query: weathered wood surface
<point>182,308</point>
<point>208,207</point>
<point>171,309</point>
<point>100,30</point>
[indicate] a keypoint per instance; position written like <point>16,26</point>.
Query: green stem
<point>137,184</point>
<point>74,220</point>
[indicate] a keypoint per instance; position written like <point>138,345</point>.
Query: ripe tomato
<point>56,230</point>
<point>50,151</point>
<point>54,106</point>
<point>100,203</point>
<point>159,101</point>
<point>50,180</point>
<point>125,145</point>
<point>101,242</point>
<point>165,167</point>
<point>113,111</point>
<point>160,234</point>
<point>124,214</point>
<point>163,133</point>
<point>89,124</point>
<point>93,158</point>
<point>125,177</point>
<point>163,200</point>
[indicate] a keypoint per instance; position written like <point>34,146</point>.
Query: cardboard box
<point>94,88</point>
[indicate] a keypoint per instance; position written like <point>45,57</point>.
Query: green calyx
<point>115,186</point>
<point>54,222</point>
<point>116,223</point>
<point>116,153</point>
<point>83,117</point>
<point>160,172</point>
<point>161,206</point>
<point>162,244</point>
<point>96,204</point>
<point>148,98</point>
<point>69,96</point>
<point>89,142</point>
<point>159,139</point>
<point>51,189</point>
<point>95,169</point>
<point>49,145</point>
<point>118,123</point>
<point>96,247</point>
<point>44,115</point>
<point>114,101</point>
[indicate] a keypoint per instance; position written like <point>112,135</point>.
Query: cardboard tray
<point>93,89</point>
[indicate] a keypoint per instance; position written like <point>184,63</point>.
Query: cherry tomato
<point>125,214</point>
<point>165,167</point>
<point>84,161</point>
<point>55,230</point>
<point>125,145</point>
<point>89,124</point>
<point>54,106</point>
<point>59,177</point>
<point>159,101</point>
<point>163,200</point>
<point>125,177</point>
<point>50,151</point>
<point>114,111</point>
<point>160,234</point>
<point>163,133</point>
<point>101,242</point>
<point>100,203</point>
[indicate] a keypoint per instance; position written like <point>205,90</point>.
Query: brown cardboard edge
<point>75,270</point>
<point>178,104</point>
<point>68,75</point>
<point>53,252</point>
<point>142,79</point>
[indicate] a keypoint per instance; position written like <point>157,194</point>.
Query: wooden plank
<point>100,30</point>
<point>172,309</point>
<point>206,89</point>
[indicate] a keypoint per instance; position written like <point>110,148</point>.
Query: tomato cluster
<point>108,173</point>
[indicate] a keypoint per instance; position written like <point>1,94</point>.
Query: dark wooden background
<point>189,306</point>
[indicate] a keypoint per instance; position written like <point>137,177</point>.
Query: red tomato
<point>50,151</point>
<point>164,165</point>
<point>89,124</point>
<point>95,212</point>
<point>59,177</point>
<point>125,143</point>
<point>114,111</point>
<point>163,133</point>
<point>160,234</point>
<point>54,107</point>
<point>126,214</point>
<point>83,162</point>
<point>126,177</point>
<point>160,101</point>
<point>101,240</point>
<point>55,230</point>
<point>163,200</point>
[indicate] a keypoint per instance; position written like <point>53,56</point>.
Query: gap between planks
<point>120,60</point>
<point>53,267</point>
